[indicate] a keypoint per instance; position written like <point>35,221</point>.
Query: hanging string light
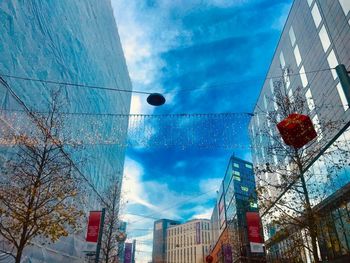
<point>222,130</point>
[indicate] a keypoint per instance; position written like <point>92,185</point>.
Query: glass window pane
<point>303,76</point>
<point>249,166</point>
<point>309,2</point>
<point>292,36</point>
<point>316,15</point>
<point>317,125</point>
<point>332,62</point>
<point>297,55</point>
<point>282,61</point>
<point>345,4</point>
<point>324,38</point>
<point>310,100</point>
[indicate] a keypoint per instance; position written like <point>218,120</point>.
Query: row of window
<point>175,242</point>
<point>187,255</point>
<point>186,227</point>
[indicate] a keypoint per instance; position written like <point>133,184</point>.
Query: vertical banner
<point>254,230</point>
<point>198,232</point>
<point>128,253</point>
<point>227,251</point>
<point>93,226</point>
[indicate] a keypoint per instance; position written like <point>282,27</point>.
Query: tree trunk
<point>310,219</point>
<point>19,255</point>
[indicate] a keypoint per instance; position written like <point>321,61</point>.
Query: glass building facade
<point>67,42</point>
<point>236,197</point>
<point>315,39</point>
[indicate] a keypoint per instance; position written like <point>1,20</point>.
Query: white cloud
<point>132,190</point>
<point>210,186</point>
<point>202,212</point>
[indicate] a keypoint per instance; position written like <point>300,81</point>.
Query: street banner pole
<point>100,233</point>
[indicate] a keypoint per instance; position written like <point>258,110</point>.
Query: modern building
<point>68,42</point>
<point>236,203</point>
<point>315,39</point>
<point>160,239</point>
<point>188,242</point>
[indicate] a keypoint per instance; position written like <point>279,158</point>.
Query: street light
<point>156,99</point>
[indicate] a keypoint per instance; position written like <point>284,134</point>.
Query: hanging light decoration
<point>297,130</point>
<point>209,259</point>
<point>155,99</point>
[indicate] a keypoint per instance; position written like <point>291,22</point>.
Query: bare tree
<point>111,231</point>
<point>288,167</point>
<point>37,186</point>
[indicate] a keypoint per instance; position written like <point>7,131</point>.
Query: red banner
<point>254,229</point>
<point>93,226</point>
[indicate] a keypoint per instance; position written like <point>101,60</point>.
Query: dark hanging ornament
<point>156,99</point>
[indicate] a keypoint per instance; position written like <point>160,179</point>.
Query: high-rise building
<point>188,242</point>
<point>160,238</point>
<point>68,42</point>
<point>315,39</point>
<point>236,204</point>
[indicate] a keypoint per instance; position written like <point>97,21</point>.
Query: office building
<point>236,202</point>
<point>69,42</point>
<point>160,239</point>
<point>315,39</point>
<point>188,242</point>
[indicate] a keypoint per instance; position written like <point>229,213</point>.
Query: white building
<point>189,242</point>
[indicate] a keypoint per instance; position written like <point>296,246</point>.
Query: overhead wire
<point>64,83</point>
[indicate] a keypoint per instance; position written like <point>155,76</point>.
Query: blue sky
<point>206,57</point>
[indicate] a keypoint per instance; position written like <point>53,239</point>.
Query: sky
<point>205,56</point>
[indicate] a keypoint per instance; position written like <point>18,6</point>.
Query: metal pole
<point>100,234</point>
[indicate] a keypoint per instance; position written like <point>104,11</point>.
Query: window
<point>237,178</point>
<point>271,87</point>
<point>317,125</point>
<point>265,102</point>
<point>297,55</point>
<point>324,38</point>
<point>342,96</point>
<point>316,15</point>
<point>292,36</point>
<point>345,4</point>
<point>236,173</point>
<point>236,165</point>
<point>253,204</point>
<point>249,166</point>
<point>244,188</point>
<point>309,2</point>
<point>332,62</point>
<point>282,61</point>
<point>309,99</point>
<point>290,95</point>
<point>303,76</point>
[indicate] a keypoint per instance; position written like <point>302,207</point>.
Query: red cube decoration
<point>297,130</point>
<point>209,259</point>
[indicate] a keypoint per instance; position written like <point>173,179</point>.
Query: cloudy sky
<point>206,56</point>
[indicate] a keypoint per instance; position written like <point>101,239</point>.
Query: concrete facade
<point>189,242</point>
